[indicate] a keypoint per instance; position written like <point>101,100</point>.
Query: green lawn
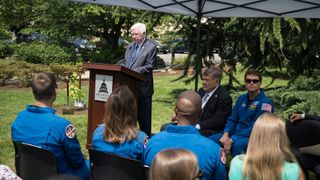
<point>14,100</point>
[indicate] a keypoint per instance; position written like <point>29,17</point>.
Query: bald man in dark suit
<point>141,56</point>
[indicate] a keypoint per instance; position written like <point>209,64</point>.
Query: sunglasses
<point>254,81</point>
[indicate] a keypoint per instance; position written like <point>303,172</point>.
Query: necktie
<point>205,99</point>
<point>134,54</point>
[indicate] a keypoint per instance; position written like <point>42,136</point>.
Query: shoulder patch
<point>266,107</point>
<point>145,141</point>
<point>70,131</point>
<point>222,156</point>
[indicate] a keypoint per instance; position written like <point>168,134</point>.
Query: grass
<point>13,100</point>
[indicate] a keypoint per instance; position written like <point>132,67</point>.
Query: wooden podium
<point>103,79</point>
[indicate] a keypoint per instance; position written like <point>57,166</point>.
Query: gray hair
<point>140,26</point>
<point>214,72</point>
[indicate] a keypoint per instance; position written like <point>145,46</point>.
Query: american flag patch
<point>266,107</point>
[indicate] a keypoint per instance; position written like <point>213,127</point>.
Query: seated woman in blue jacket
<point>119,134</point>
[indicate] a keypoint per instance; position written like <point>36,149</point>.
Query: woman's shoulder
<point>290,170</point>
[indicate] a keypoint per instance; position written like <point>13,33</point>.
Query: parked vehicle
<point>178,46</point>
<point>162,48</point>
<point>32,36</point>
<point>82,44</point>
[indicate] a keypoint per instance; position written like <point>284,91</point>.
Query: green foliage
<point>277,31</point>
<point>75,91</point>
<point>5,74</point>
<point>23,72</point>
<point>305,83</point>
<point>42,53</point>
<point>6,49</point>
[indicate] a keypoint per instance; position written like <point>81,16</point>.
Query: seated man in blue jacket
<point>185,136</point>
<point>247,109</point>
<point>38,125</point>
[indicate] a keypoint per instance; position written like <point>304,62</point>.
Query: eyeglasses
<point>254,81</point>
<point>198,176</point>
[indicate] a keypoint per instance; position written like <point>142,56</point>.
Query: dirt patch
<point>77,111</point>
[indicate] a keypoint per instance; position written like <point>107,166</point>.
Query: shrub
<point>5,74</point>
<point>24,72</point>
<point>306,83</point>
<point>6,49</point>
<point>42,53</point>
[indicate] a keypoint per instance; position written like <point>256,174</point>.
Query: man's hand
<point>224,138</point>
<point>296,117</point>
<point>227,146</point>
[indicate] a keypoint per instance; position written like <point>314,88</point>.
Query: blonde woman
<point>173,164</point>
<point>268,155</point>
<point>120,133</point>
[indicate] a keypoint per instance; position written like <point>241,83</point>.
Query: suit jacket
<point>216,111</point>
<point>312,117</point>
<point>143,63</point>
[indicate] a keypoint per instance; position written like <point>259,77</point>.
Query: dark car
<point>82,44</point>
<point>162,48</point>
<point>32,36</point>
<point>178,45</point>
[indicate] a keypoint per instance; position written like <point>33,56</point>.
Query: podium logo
<point>103,87</point>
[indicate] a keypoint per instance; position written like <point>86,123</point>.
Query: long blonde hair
<point>172,164</point>
<point>268,149</point>
<point>120,117</point>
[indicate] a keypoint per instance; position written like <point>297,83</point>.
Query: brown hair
<point>253,72</point>
<point>268,149</point>
<point>43,86</point>
<point>120,117</point>
<point>172,164</point>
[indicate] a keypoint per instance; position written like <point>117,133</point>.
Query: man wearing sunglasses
<point>247,109</point>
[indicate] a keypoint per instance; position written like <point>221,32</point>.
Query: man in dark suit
<point>140,56</point>
<point>216,103</point>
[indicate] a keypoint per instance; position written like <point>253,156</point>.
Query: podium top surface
<point>112,67</point>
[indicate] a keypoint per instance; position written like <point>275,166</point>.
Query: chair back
<point>303,133</point>
<point>110,166</point>
<point>33,162</point>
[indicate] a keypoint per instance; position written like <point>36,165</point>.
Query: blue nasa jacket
<point>40,126</point>
<point>130,149</point>
<point>245,113</point>
<point>188,137</point>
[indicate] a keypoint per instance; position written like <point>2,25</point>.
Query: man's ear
<point>54,95</point>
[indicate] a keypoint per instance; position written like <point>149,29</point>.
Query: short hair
<point>120,116</point>
<point>140,26</point>
<point>43,86</point>
<point>253,72</point>
<point>269,136</point>
<point>172,164</point>
<point>214,72</point>
<point>189,104</point>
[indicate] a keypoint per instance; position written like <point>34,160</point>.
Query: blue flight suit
<point>241,121</point>
<point>188,137</point>
<point>130,149</point>
<point>41,127</point>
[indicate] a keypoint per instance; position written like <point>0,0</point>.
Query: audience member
<point>7,173</point>
<point>173,164</point>
<point>268,155</point>
<point>247,109</point>
<point>216,103</point>
<point>119,134</point>
<point>141,57</point>
<point>38,125</point>
<point>304,134</point>
<point>185,136</point>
